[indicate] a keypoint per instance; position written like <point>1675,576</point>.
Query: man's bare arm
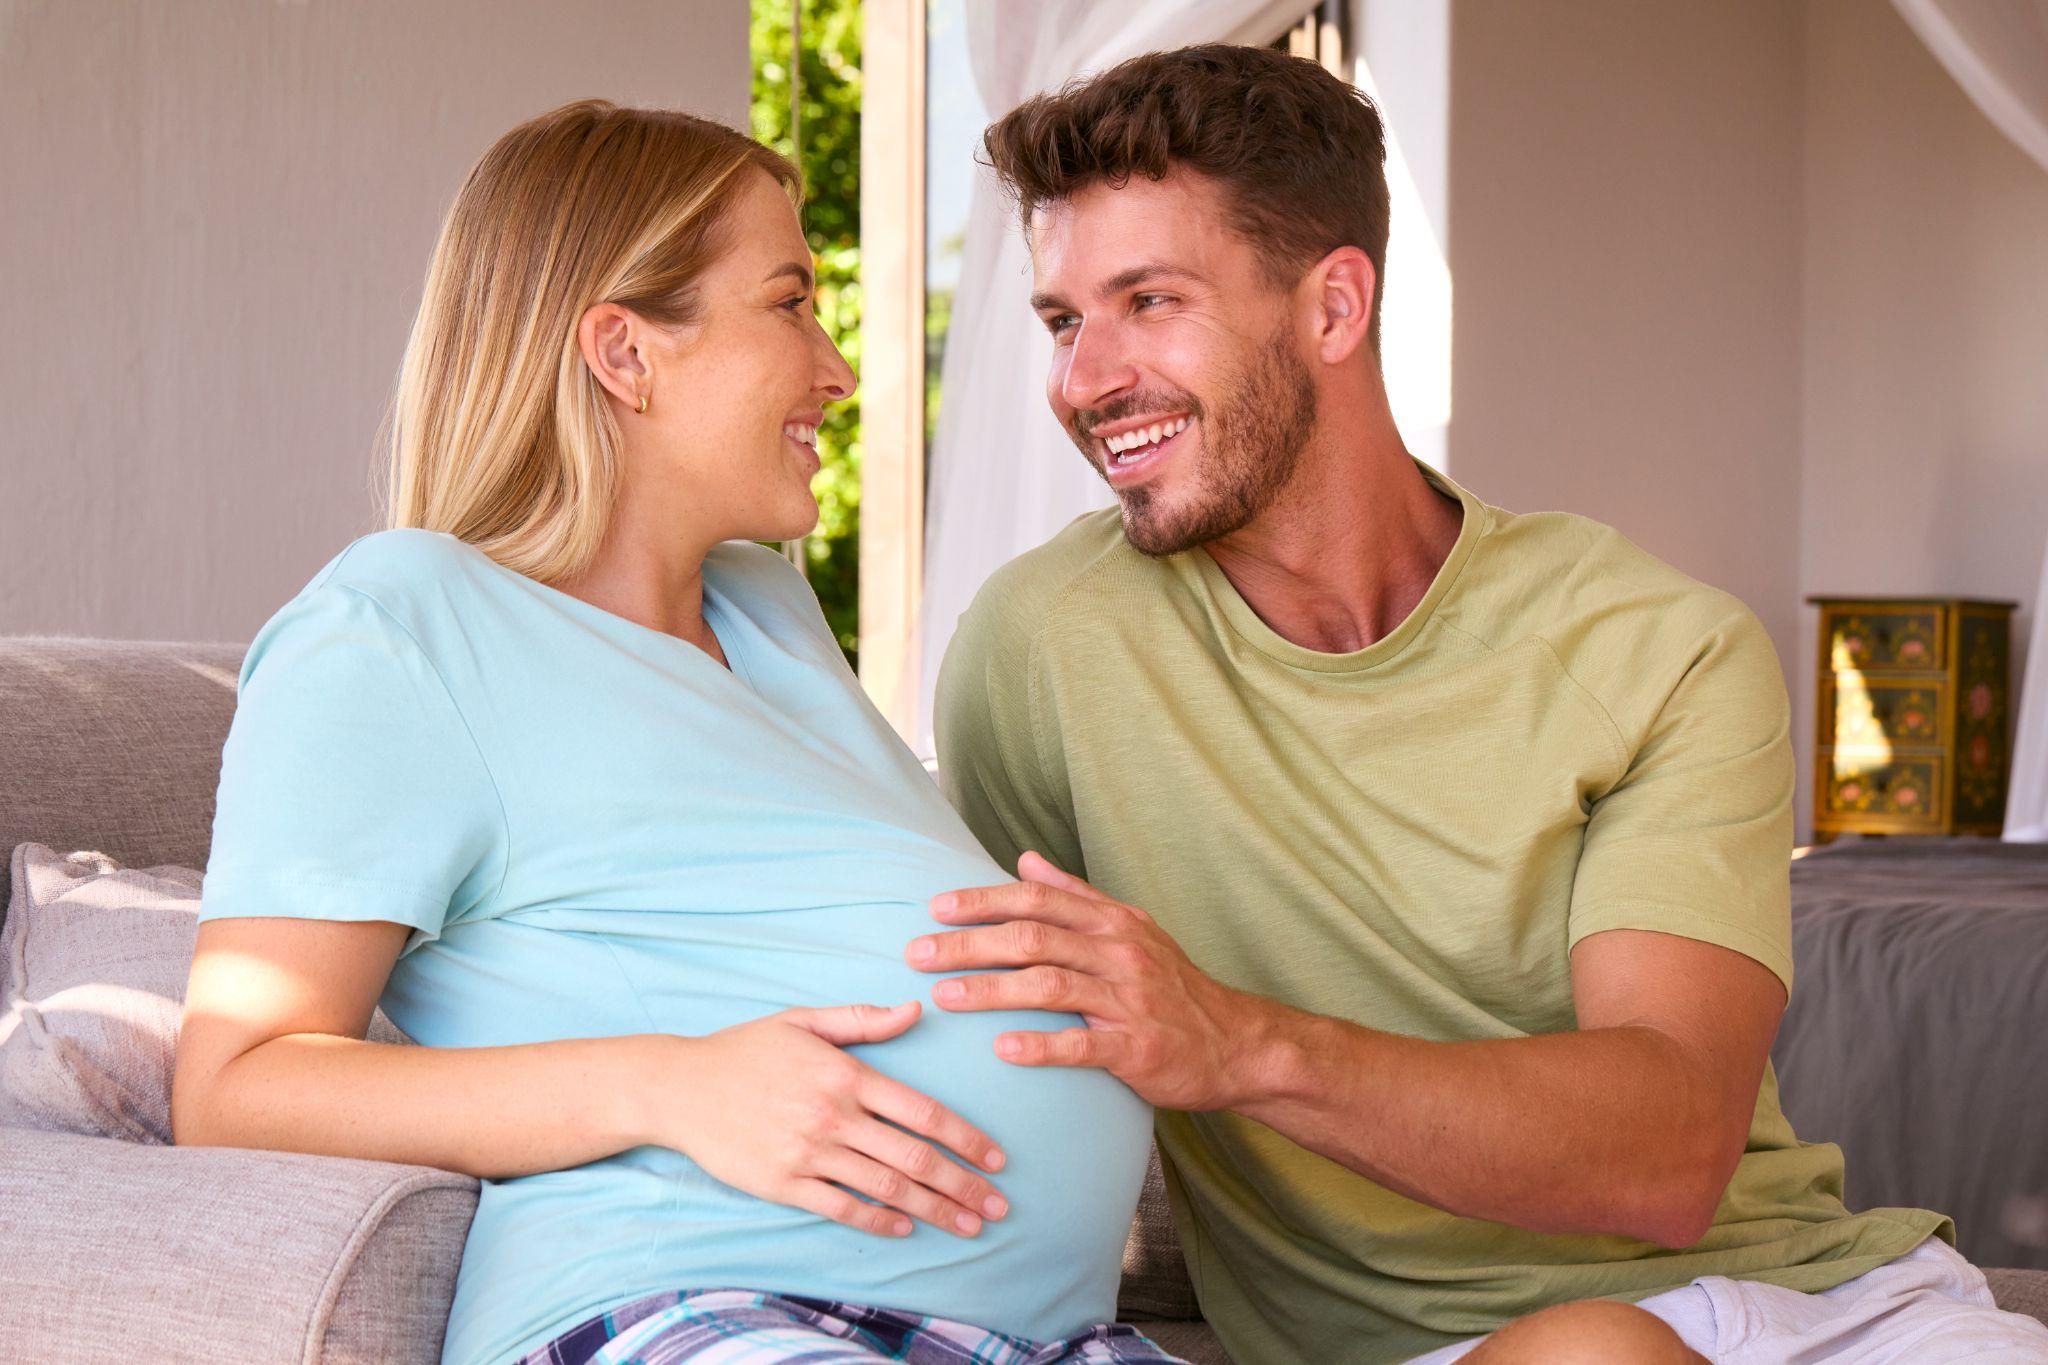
<point>1630,1126</point>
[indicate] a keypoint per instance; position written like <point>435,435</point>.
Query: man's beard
<point>1251,443</point>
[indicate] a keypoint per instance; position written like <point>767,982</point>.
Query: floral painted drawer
<point>1911,725</point>
<point>1907,790</point>
<point>1882,713</point>
<point>1885,638</point>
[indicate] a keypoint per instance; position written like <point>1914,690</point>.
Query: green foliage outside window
<point>830,130</point>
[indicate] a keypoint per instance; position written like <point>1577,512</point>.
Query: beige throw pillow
<point>93,958</point>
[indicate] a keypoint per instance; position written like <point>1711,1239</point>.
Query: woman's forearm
<point>774,1107</point>
<point>492,1112</point>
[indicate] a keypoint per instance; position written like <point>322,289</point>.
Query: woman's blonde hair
<point>499,434</point>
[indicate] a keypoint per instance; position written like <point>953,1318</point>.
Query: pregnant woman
<point>574,780</point>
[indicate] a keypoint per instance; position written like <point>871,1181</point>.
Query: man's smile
<point>1131,450</point>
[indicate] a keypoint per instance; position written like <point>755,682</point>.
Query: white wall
<point>1755,283</point>
<point>1625,246</point>
<point>216,219</point>
<point>1926,345</point>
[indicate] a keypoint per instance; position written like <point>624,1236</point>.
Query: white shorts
<point>1929,1307</point>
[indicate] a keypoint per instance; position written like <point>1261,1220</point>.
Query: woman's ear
<point>610,337</point>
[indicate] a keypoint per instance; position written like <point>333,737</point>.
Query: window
<point>921,120</point>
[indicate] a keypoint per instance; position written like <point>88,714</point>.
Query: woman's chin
<point>799,524</point>
<point>793,519</point>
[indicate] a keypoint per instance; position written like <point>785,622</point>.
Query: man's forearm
<point>1595,1131</point>
<point>1629,1126</point>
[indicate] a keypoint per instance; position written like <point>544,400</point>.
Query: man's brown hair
<point>1300,155</point>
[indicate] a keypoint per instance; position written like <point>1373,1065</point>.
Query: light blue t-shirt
<point>595,830</point>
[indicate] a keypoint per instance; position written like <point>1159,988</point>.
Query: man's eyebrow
<point>798,269</point>
<point>1122,280</point>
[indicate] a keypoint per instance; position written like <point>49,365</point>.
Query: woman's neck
<point>661,588</point>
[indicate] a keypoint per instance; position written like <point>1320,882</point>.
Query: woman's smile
<point>802,433</point>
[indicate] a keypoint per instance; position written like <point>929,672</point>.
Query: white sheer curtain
<point>1997,50</point>
<point>1004,477</point>
<point>2026,805</point>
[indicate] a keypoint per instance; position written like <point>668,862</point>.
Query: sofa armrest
<point>2020,1291</point>
<point>112,1250</point>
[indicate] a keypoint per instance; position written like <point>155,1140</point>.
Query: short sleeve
<point>350,787</point>
<point>1695,839</point>
<point>991,750</point>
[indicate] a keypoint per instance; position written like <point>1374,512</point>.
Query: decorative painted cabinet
<point>1910,731</point>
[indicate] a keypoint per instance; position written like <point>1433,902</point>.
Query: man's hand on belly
<point>1177,1037</point>
<point>1630,1125</point>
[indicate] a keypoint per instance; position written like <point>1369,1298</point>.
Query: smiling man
<point>1435,856</point>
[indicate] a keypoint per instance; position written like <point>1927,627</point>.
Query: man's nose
<point>1096,369</point>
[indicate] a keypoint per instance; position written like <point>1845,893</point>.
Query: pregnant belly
<point>1075,1141</point>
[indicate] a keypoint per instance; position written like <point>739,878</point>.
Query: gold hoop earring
<point>643,404</point>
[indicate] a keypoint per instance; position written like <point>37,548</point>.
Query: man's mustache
<point>1086,421</point>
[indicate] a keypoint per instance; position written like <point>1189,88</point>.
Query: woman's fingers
<point>928,1166</point>
<point>890,1185</point>
<point>830,1201</point>
<point>845,1025</point>
<point>823,1137</point>
<point>926,1117</point>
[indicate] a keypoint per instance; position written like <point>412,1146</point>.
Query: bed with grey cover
<point>1917,1034</point>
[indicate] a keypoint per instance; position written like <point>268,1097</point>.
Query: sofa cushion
<point>1193,1342</point>
<point>95,963</point>
<point>2020,1291</point>
<point>1155,1284</point>
<point>114,745</point>
<point>114,1251</point>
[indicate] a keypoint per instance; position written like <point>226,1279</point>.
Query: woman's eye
<point>795,304</point>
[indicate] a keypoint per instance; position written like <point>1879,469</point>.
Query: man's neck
<point>1348,550</point>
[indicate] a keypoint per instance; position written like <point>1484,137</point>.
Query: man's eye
<point>1147,300</point>
<point>1062,323</point>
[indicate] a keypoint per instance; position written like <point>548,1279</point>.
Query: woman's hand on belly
<point>774,1107</point>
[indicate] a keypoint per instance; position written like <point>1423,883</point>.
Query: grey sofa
<point>113,1250</point>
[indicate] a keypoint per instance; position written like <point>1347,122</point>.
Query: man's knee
<point>1589,1332</point>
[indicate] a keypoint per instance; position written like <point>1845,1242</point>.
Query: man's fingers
<point>845,1025</point>
<point>1031,988</point>
<point>1036,867</point>
<point>830,1201</point>
<point>1019,900</point>
<point>1069,1047</point>
<point>921,1114</point>
<point>887,1185</point>
<point>1019,943</point>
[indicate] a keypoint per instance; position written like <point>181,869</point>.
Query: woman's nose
<point>836,378</point>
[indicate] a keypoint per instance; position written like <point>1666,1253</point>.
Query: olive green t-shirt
<point>1565,736</point>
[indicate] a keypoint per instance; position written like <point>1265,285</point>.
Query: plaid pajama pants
<point>742,1327</point>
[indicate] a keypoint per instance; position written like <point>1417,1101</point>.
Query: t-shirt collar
<point>1266,640</point>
